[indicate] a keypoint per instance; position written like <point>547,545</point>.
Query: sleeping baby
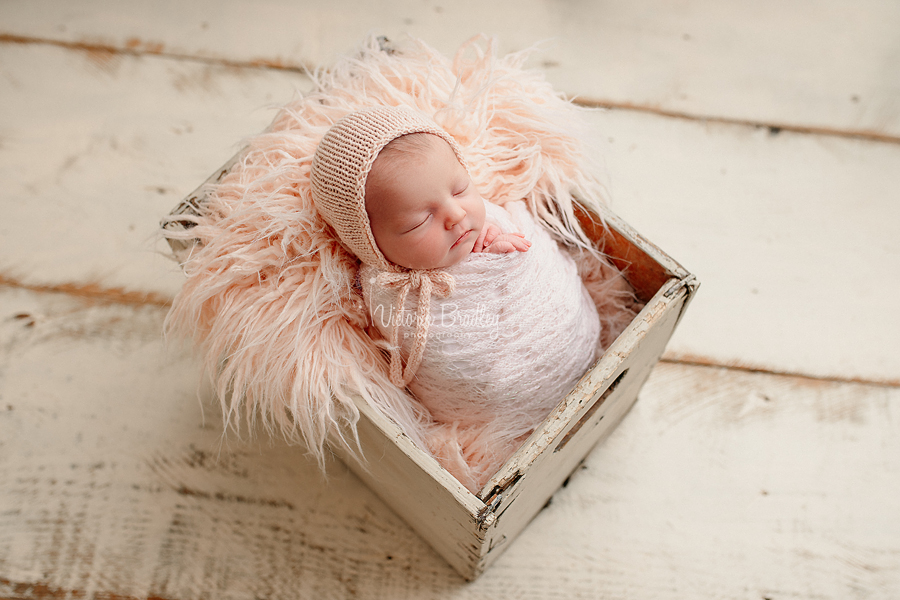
<point>484,316</point>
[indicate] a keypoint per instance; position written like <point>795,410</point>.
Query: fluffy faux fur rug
<point>271,297</point>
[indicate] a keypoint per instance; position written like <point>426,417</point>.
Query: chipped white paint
<point>810,63</point>
<point>95,148</point>
<point>793,236</point>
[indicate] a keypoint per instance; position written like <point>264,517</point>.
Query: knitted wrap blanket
<point>507,345</point>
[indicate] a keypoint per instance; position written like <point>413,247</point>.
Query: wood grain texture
<point>825,65</point>
<point>773,224</point>
<point>114,482</point>
<point>107,145</point>
<point>717,484</point>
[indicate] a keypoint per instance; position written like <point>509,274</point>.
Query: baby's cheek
<point>425,254</point>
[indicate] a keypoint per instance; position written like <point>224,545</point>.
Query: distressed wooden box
<point>470,531</point>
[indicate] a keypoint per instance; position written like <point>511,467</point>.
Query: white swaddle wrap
<point>509,343</point>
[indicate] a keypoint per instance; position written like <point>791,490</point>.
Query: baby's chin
<point>453,257</point>
<point>430,266</point>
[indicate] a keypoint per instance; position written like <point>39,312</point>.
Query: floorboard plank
<point>829,65</point>
<point>792,237</point>
<point>95,148</point>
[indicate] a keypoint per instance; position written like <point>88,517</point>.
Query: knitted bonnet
<point>340,168</point>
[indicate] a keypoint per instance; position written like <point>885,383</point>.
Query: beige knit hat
<point>342,163</point>
<point>340,167</point>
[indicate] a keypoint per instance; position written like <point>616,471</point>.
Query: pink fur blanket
<point>271,296</point>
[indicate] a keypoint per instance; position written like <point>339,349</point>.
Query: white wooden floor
<point>757,143</point>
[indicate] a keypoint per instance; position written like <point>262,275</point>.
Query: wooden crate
<point>471,530</point>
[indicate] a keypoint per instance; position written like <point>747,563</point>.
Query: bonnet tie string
<point>428,282</point>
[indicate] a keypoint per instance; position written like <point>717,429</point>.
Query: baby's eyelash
<point>414,227</point>
<point>462,190</point>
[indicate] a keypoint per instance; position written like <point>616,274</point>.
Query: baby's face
<point>424,210</point>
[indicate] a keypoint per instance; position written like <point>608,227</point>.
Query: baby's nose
<point>455,214</point>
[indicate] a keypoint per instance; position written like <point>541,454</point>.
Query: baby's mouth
<point>461,239</point>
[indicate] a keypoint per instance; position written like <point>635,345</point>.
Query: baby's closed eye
<point>422,222</point>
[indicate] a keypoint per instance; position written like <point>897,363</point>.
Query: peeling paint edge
<point>691,360</point>
<point>90,291</point>
<point>136,47</point>
<point>773,127</point>
<point>21,589</point>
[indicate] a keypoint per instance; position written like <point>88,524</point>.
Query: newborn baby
<point>511,328</point>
